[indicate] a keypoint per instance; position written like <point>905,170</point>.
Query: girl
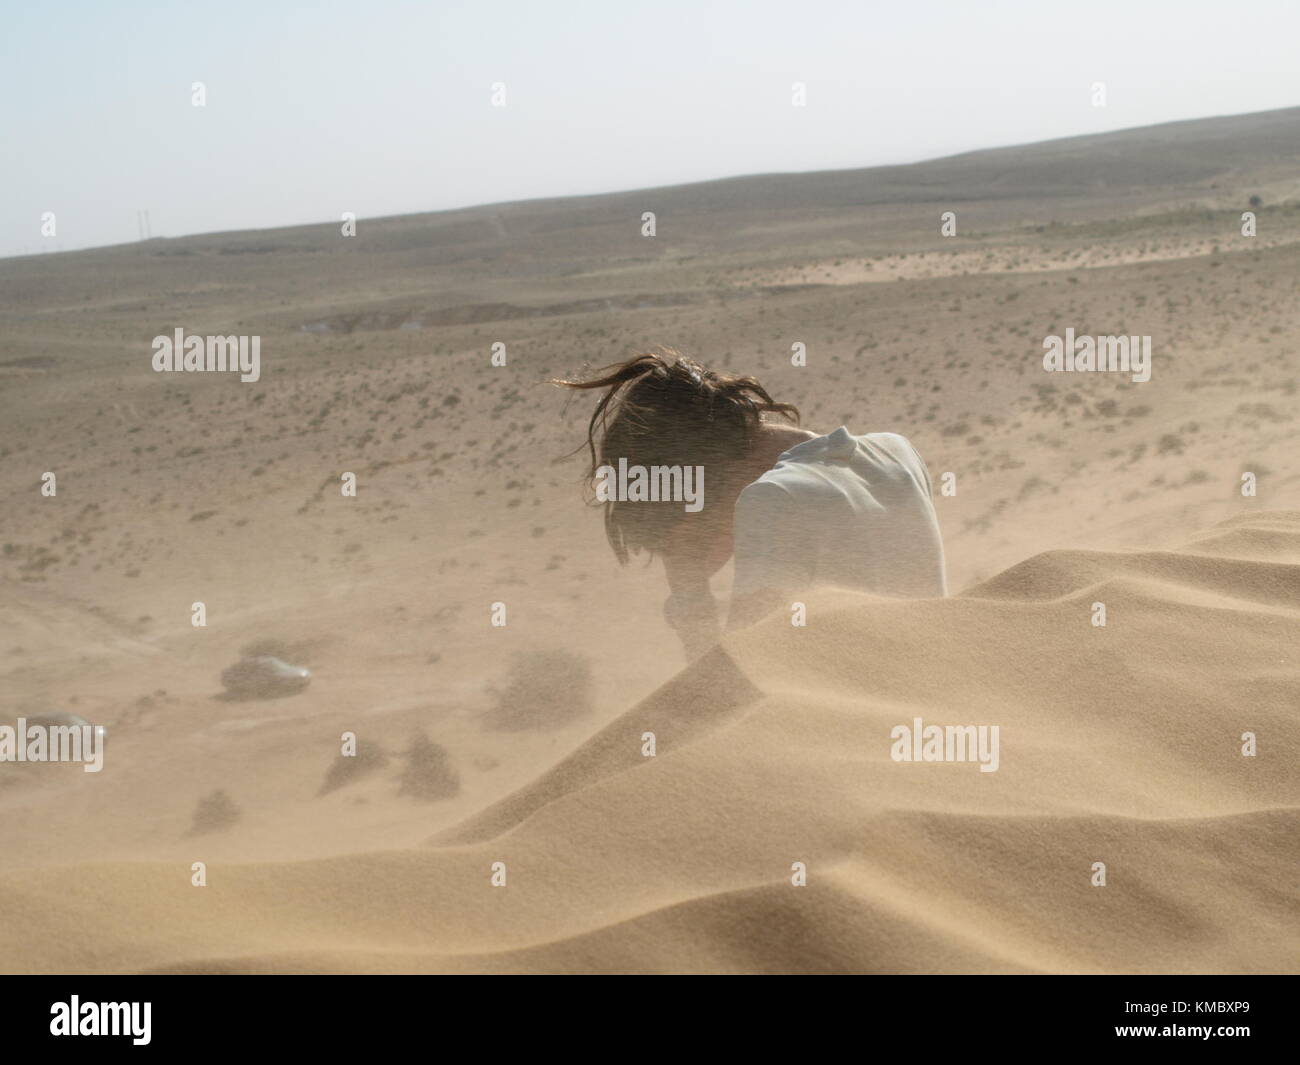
<point>795,508</point>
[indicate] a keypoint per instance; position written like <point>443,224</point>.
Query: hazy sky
<point>380,107</point>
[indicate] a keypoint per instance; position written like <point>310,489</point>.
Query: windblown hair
<point>664,409</point>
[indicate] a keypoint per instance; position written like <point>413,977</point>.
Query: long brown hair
<point>662,408</point>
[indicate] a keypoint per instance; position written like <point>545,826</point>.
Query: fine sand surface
<point>1120,744</point>
<point>523,744</point>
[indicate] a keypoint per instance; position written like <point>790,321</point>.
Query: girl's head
<point>664,409</point>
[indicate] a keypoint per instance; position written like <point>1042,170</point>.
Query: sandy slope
<point>1119,744</point>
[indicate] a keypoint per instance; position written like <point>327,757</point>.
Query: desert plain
<point>502,814</point>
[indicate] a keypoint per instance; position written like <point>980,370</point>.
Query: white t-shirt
<point>851,511</point>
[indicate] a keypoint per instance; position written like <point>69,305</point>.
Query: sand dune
<point>523,744</point>
<point>1119,744</point>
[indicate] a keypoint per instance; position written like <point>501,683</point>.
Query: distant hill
<point>1208,160</point>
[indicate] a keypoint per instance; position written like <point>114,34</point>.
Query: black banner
<point>1221,1015</point>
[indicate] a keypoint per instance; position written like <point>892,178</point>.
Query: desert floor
<point>1120,744</point>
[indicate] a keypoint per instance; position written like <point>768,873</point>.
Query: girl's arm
<point>691,609</point>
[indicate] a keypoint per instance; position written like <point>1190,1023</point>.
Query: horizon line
<point>653,188</point>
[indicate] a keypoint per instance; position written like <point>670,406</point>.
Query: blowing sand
<point>1120,744</point>
<point>523,745</point>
